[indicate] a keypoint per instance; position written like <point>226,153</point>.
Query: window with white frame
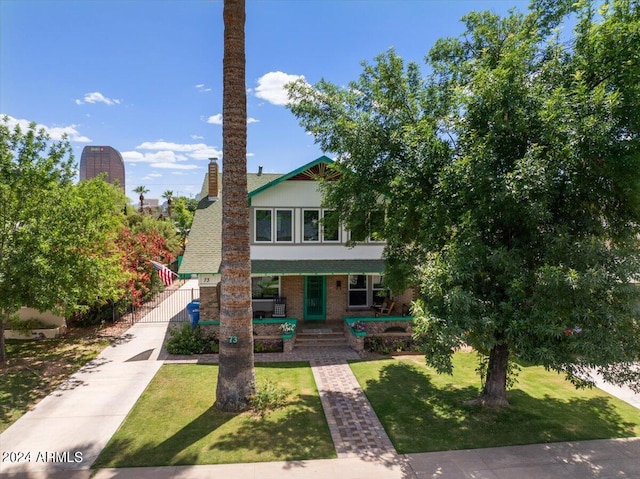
<point>262,225</point>
<point>378,291</point>
<point>265,287</point>
<point>365,290</point>
<point>284,226</point>
<point>358,291</point>
<point>330,226</point>
<point>376,225</point>
<point>370,228</point>
<point>311,225</point>
<point>269,223</point>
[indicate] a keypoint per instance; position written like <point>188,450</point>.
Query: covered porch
<point>322,290</point>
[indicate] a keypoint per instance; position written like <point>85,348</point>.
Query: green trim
<point>323,299</point>
<point>275,321</point>
<point>327,267</point>
<point>351,320</point>
<point>375,319</point>
<point>277,181</point>
<point>255,321</point>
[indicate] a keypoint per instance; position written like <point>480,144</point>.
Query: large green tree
<point>510,180</point>
<point>236,377</point>
<point>55,236</point>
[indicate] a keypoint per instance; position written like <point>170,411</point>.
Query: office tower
<point>102,159</point>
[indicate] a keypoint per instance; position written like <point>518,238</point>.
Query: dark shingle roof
<point>320,267</point>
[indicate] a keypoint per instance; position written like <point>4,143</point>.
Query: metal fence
<point>164,306</point>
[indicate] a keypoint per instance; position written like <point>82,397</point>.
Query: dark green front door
<point>315,298</point>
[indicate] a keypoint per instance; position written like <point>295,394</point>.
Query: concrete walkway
<point>83,414</point>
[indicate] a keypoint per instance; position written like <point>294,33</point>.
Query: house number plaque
<point>233,339</point>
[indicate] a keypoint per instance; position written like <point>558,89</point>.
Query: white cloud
<point>197,151</point>
<point>201,87</point>
<point>197,137</point>
<point>56,132</point>
<point>174,166</point>
<point>271,87</point>
<point>217,119</point>
<point>97,97</point>
<point>169,155</point>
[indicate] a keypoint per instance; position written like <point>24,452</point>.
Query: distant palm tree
<point>236,376</point>
<point>168,195</point>
<point>141,190</point>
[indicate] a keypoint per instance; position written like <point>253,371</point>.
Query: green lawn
<point>423,411</point>
<point>36,367</point>
<point>174,422</point>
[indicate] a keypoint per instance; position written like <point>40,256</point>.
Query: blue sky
<point>145,76</point>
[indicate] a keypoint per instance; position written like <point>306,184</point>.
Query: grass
<point>423,411</point>
<point>37,367</point>
<point>174,422</point>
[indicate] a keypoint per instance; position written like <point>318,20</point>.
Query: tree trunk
<point>494,392</point>
<point>3,346</point>
<point>236,378</point>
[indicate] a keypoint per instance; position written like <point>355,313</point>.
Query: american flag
<point>166,275</point>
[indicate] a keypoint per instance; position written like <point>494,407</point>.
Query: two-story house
<point>298,250</point>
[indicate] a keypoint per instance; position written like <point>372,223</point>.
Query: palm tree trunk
<point>236,378</point>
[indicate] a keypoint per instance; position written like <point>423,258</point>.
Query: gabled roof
<point>203,253</point>
<point>311,171</point>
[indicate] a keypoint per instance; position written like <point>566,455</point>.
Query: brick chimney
<point>213,192</point>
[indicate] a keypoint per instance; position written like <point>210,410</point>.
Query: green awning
<point>316,267</point>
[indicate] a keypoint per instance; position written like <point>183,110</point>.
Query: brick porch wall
<point>209,307</point>
<point>292,288</point>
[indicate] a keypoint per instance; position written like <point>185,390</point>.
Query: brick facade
<point>209,303</point>
<point>292,287</point>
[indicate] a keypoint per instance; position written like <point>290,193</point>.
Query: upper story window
<point>330,226</point>
<point>284,225</point>
<point>270,223</point>
<point>311,225</point>
<point>370,229</point>
<point>263,227</point>
<point>320,225</point>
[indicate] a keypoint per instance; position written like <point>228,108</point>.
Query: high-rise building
<point>96,160</point>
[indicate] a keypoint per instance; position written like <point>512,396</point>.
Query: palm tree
<point>236,377</point>
<point>141,190</point>
<point>168,195</point>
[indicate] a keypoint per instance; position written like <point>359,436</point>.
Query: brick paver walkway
<point>355,429</point>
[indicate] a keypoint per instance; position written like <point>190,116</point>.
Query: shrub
<point>187,340</point>
<point>268,396</point>
<point>275,346</point>
<point>383,345</point>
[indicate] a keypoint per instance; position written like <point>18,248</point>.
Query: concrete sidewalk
<point>68,429</point>
<point>603,459</point>
<point>85,411</point>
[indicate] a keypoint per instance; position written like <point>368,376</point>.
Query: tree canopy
<point>56,238</point>
<point>510,184</point>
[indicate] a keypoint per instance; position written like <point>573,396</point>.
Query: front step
<point>320,336</point>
